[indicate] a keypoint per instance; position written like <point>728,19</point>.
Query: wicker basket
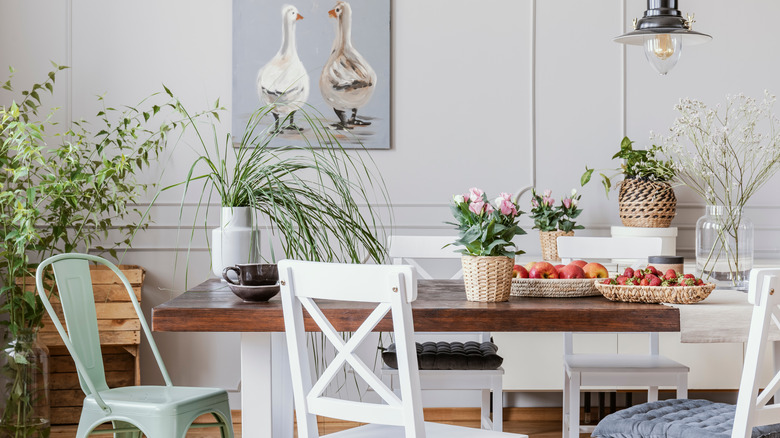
<point>557,288</point>
<point>549,241</point>
<point>656,294</point>
<point>487,278</point>
<point>647,204</point>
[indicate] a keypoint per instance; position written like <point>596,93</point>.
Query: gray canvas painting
<point>330,58</point>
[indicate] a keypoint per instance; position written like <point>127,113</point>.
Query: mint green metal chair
<point>154,411</point>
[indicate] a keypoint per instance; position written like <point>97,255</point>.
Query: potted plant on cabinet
<point>646,199</point>
<point>60,193</point>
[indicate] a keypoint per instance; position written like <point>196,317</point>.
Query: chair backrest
<point>408,250</point>
<point>752,406</point>
<point>392,288</point>
<point>75,295</point>
<point>624,248</point>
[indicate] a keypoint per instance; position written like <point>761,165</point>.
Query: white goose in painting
<point>283,82</point>
<point>347,81</point>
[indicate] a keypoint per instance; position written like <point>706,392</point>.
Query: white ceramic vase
<point>235,241</point>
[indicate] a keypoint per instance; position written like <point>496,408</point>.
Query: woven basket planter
<point>487,278</point>
<point>656,294</point>
<point>647,204</point>
<point>549,241</point>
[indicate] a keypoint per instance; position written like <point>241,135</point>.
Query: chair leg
<point>484,410</point>
<point>652,394</point>
<point>565,405</point>
<point>225,425</point>
<point>682,385</point>
<point>574,405</point>
<point>123,424</point>
<point>498,406</point>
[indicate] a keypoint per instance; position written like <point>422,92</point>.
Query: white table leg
<point>283,406</point>
<point>266,394</point>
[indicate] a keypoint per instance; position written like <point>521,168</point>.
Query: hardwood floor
<point>534,422</point>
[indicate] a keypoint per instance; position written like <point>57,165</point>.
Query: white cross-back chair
<point>411,250</point>
<point>613,370</point>
<point>392,288</point>
<point>666,418</point>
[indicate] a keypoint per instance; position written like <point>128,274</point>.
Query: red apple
<point>595,270</point>
<point>543,270</point>
<point>579,263</point>
<point>571,271</point>
<point>528,266</point>
<point>559,267</point>
<point>519,272</point>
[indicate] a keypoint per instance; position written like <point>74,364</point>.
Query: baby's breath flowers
<point>725,154</point>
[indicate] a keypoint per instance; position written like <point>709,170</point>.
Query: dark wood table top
<point>441,306</point>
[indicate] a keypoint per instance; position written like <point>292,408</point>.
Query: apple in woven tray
<point>650,276</point>
<point>571,271</point>
<point>543,270</point>
<point>595,270</point>
<point>574,270</point>
<point>519,272</point>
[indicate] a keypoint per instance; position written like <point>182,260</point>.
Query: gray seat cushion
<point>469,355</point>
<point>676,419</point>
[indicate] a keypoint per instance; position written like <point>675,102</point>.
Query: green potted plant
<point>554,221</point>
<point>60,193</point>
<point>646,198</point>
<point>315,197</point>
<point>485,231</point>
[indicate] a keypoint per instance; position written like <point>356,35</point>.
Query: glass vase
<point>724,247</point>
<point>24,387</point>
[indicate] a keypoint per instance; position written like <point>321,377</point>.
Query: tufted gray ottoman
<point>676,419</point>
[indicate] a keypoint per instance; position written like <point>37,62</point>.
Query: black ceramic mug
<point>252,274</point>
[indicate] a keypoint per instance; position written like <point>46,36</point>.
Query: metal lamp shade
<point>662,17</point>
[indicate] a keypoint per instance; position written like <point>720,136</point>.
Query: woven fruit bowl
<point>553,288</point>
<point>655,294</point>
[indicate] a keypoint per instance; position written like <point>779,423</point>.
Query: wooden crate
<point>120,336</point>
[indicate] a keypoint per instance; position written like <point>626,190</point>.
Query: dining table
<point>441,306</point>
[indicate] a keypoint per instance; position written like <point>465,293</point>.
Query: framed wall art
<point>331,58</point>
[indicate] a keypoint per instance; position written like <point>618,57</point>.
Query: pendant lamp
<point>663,31</point>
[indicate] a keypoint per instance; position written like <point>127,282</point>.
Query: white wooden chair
<point>411,250</point>
<point>393,289</point>
<point>715,419</point>
<point>613,370</point>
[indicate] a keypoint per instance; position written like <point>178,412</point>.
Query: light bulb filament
<point>664,48</point>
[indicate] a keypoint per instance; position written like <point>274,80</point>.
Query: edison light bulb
<point>663,51</point>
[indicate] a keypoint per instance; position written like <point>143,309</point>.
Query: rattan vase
<point>648,204</point>
<point>549,241</point>
<point>487,278</point>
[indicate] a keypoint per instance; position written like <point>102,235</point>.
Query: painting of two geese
<point>329,57</point>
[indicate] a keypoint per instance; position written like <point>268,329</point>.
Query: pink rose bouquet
<point>550,217</point>
<point>486,229</point>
